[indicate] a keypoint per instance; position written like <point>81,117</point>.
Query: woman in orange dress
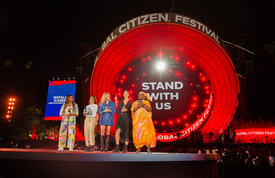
<point>143,128</point>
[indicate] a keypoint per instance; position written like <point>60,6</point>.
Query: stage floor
<point>52,163</point>
<point>97,156</point>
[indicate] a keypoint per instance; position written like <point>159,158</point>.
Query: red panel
<point>255,135</point>
<point>61,82</point>
<point>182,40</point>
<point>53,118</point>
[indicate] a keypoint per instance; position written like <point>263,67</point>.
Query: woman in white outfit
<point>91,117</point>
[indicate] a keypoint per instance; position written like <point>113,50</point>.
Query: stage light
<point>133,85</point>
<point>203,79</point>
<point>184,116</point>
<point>194,106</point>
<point>123,77</point>
<point>160,66</point>
<point>178,73</point>
<point>143,59</point>
<point>130,69</point>
<point>171,123</point>
<point>160,54</point>
<point>143,74</point>
<point>195,98</point>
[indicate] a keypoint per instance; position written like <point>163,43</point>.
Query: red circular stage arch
<point>181,35</point>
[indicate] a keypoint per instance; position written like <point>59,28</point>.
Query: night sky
<point>40,40</point>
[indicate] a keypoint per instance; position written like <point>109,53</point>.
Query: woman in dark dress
<point>123,121</point>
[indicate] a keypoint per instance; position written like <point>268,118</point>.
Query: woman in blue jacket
<point>107,109</point>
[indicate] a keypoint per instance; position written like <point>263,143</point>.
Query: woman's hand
<point>107,110</point>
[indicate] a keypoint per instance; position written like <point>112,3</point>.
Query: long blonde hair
<point>103,98</point>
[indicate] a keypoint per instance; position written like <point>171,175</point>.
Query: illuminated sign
<point>255,135</point>
<point>180,92</point>
<point>57,92</point>
<point>160,18</point>
<point>187,40</point>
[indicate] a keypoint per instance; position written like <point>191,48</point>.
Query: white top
<point>91,110</point>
